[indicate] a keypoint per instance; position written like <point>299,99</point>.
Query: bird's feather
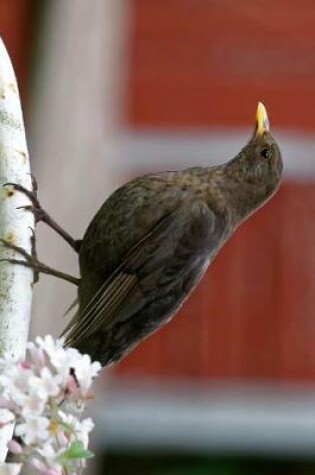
<point>143,270</point>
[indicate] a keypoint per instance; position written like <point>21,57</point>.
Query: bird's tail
<point>72,306</point>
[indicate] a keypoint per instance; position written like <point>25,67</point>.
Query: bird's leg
<point>31,261</point>
<point>42,215</point>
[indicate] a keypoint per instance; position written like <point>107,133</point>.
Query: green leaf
<point>75,451</point>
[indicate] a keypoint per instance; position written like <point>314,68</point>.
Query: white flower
<point>6,417</point>
<point>85,371</point>
<point>60,359</point>
<point>85,427</point>
<point>32,394</point>
<point>33,429</point>
<point>49,345</point>
<point>62,440</point>
<point>37,355</point>
<point>50,452</point>
<point>5,401</point>
<point>63,360</point>
<point>47,384</point>
<point>44,470</point>
<point>15,382</point>
<point>10,468</point>
<point>33,404</point>
<point>80,429</point>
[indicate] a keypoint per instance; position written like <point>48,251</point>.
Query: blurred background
<point>116,88</point>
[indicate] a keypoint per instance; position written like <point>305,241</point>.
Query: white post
<point>15,224</point>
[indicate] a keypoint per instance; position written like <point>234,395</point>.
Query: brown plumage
<point>153,239</point>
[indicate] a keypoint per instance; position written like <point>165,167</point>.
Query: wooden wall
<point>207,62</point>
<point>16,25</point>
<point>201,63</point>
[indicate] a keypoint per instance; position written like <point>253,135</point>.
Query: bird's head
<point>257,169</point>
<point>262,154</point>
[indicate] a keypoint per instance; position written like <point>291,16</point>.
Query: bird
<point>151,242</point>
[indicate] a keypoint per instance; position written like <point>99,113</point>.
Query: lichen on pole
<point>15,224</point>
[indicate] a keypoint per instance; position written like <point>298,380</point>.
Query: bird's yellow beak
<point>262,121</point>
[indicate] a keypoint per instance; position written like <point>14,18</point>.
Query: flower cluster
<point>36,395</point>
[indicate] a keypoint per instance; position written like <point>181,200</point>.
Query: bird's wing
<point>161,255</point>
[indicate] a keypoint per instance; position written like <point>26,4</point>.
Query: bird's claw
<point>30,261</point>
<point>30,194</point>
<point>38,213</point>
<point>34,185</point>
<point>41,215</point>
<point>35,207</point>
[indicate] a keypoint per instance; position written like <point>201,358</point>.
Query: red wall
<point>15,30</point>
<point>253,314</point>
<point>206,63</point>
<point>201,62</point>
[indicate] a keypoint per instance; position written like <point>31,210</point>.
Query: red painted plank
<point>297,292</point>
<point>193,60</point>
<point>253,314</point>
<point>15,29</point>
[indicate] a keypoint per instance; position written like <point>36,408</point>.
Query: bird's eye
<point>265,152</point>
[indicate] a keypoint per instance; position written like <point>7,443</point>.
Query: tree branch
<point>15,225</point>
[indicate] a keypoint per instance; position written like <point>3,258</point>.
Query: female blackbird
<point>153,239</point>
<point>151,242</point>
